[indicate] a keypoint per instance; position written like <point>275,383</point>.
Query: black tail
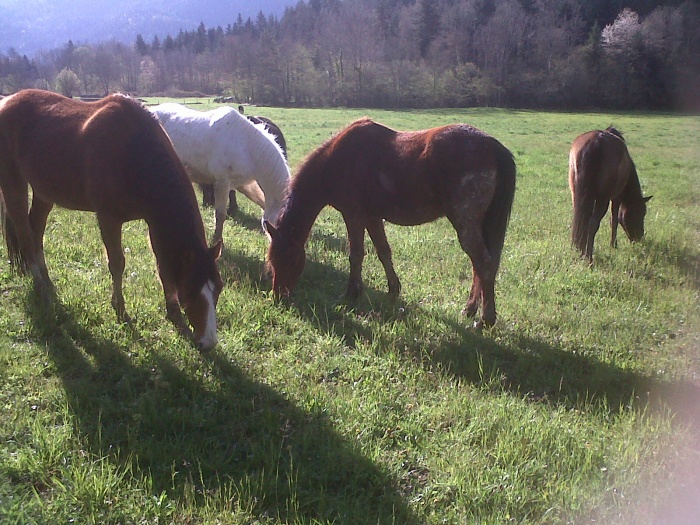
<point>498,213</point>
<point>17,262</point>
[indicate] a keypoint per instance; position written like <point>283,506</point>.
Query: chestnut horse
<point>601,171</point>
<point>370,173</point>
<point>113,158</point>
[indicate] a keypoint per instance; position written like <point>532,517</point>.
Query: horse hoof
<point>352,294</point>
<point>203,349</point>
<point>484,323</point>
<point>469,311</point>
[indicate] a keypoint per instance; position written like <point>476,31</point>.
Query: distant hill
<point>30,26</point>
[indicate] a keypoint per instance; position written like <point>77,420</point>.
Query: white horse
<point>223,148</point>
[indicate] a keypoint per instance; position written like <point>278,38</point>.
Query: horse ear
<point>217,249</point>
<point>647,199</point>
<point>270,229</point>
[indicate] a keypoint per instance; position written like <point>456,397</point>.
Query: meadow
<point>581,405</point>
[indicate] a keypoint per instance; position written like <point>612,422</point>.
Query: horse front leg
<point>614,221</point>
<point>111,231</point>
<point>376,231</point>
<point>356,241</point>
<point>173,310</point>
<point>221,194</point>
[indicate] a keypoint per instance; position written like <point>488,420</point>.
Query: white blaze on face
<point>209,339</point>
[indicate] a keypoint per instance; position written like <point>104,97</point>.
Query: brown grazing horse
<point>370,173</point>
<point>113,158</point>
<point>601,171</point>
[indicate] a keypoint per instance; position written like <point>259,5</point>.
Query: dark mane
<point>615,132</point>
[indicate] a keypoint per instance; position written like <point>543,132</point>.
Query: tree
<point>140,45</point>
<point>498,42</point>
<point>619,36</point>
<point>67,82</point>
<point>427,24</point>
<point>149,75</point>
<point>105,65</point>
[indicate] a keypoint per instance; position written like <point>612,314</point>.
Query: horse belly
<point>61,184</point>
<point>411,217</point>
<point>403,199</point>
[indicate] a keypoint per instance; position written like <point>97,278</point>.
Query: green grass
<point>570,409</point>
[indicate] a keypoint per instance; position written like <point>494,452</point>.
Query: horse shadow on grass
<point>229,438</point>
<point>534,368</point>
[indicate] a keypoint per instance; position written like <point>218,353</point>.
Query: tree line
<point>558,54</point>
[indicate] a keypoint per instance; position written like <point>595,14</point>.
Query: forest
<point>544,54</point>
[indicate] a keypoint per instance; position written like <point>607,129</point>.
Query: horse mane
<point>152,153</point>
<point>306,174</point>
<point>615,131</point>
<point>275,162</point>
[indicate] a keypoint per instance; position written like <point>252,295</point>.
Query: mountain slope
<point>29,27</point>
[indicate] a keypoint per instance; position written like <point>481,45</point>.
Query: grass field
<point>581,405</point>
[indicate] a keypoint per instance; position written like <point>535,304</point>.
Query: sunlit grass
<point>312,412</point>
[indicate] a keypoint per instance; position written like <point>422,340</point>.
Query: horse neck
<point>276,181</point>
<point>175,230</point>
<point>632,191</point>
<point>304,203</point>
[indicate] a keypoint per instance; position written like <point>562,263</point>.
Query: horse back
<point>599,164</point>
<point>79,155</point>
<point>405,177</point>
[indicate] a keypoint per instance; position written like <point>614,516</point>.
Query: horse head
<point>285,261</point>
<point>631,217</point>
<point>199,295</point>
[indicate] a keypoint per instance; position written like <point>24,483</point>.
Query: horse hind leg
<point>614,221</point>
<point>474,299</point>
<point>38,215</point>
<point>20,237</point>
<point>600,208</point>
<point>378,235</point>
<point>356,241</point>
<point>483,283</point>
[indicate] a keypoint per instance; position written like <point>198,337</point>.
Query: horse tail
<point>498,212</point>
<point>14,254</point>
<point>583,201</point>
<point>583,209</point>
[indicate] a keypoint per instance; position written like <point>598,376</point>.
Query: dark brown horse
<point>601,171</point>
<point>113,158</point>
<point>370,173</point>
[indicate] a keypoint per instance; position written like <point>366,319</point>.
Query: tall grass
<point>576,406</point>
